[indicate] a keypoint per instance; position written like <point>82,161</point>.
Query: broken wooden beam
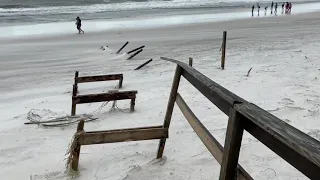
<point>136,53</point>
<point>122,47</point>
<point>135,49</point>
<point>143,64</point>
<point>89,98</point>
<point>109,77</point>
<point>123,135</point>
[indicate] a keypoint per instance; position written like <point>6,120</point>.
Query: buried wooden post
<point>133,55</point>
<point>122,47</point>
<point>120,82</point>
<point>132,103</point>
<point>135,49</point>
<point>74,93</point>
<point>172,100</point>
<point>76,151</point>
<point>224,43</point>
<point>190,61</point>
<point>143,64</point>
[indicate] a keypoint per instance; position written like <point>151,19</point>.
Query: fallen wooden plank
<point>89,98</point>
<point>122,47</point>
<point>206,137</point>
<point>109,77</point>
<point>123,135</point>
<point>135,49</point>
<point>136,53</point>
<point>143,65</point>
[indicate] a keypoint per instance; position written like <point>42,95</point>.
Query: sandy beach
<point>36,75</point>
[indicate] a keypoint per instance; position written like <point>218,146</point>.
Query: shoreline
<point>37,76</point>
<point>143,22</point>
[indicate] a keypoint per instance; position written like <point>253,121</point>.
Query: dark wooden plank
<point>138,134</point>
<point>294,146</point>
<point>217,94</point>
<point>206,137</point>
<point>136,49</point>
<point>139,67</point>
<point>232,146</point>
<point>89,98</point>
<point>126,129</point>
<point>122,47</point>
<point>170,106</point>
<point>109,77</point>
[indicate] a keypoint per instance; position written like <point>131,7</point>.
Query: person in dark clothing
<point>78,23</point>
<point>252,10</point>
<point>265,10</point>
<point>258,8</point>
<point>271,7</point>
<point>275,8</point>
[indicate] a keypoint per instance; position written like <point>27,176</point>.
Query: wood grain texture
<point>232,146</point>
<point>89,98</point>
<point>87,79</point>
<point>294,146</point>
<point>217,94</point>
<point>123,135</point>
<point>170,106</point>
<point>206,137</point>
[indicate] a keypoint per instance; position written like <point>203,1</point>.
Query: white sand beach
<point>36,74</point>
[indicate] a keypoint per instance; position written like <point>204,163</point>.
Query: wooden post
<point>120,82</point>
<point>74,93</point>
<point>122,47</point>
<point>132,104</point>
<point>76,151</point>
<point>232,146</point>
<point>190,61</point>
<point>76,75</point>
<point>133,55</point>
<point>224,43</point>
<point>172,99</point>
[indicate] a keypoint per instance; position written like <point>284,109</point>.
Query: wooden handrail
<point>297,148</point>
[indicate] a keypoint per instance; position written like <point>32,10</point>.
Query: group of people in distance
<point>286,7</point>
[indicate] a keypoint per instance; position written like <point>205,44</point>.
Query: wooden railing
<point>294,146</point>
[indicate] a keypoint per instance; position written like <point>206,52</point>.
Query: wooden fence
<point>294,146</point>
<point>100,97</point>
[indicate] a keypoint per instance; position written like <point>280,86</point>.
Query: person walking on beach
<point>252,10</point>
<point>78,23</point>
<point>271,7</point>
<point>290,6</point>
<point>265,10</point>
<point>282,7</point>
<point>258,8</point>
<point>275,8</point>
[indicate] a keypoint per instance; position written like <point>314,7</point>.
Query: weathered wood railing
<point>294,146</point>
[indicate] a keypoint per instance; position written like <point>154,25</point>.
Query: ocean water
<point>13,12</point>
